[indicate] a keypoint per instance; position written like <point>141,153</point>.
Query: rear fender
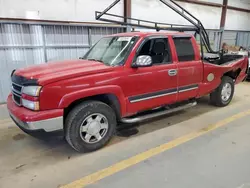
<point>244,72</point>
<point>242,67</point>
<point>81,94</point>
<point>214,73</point>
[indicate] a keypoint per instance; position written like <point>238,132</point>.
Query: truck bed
<point>225,59</point>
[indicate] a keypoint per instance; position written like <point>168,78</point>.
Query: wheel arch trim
<point>92,92</point>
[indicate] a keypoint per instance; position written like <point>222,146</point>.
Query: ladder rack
<point>196,26</point>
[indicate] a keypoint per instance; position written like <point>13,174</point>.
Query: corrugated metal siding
<point>229,37</point>
<point>214,38</point>
<point>243,39</point>
<point>97,33</point>
<point>22,45</point>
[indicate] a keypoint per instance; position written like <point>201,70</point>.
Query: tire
<point>216,97</point>
<point>90,116</point>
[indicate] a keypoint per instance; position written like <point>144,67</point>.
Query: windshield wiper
<point>96,60</point>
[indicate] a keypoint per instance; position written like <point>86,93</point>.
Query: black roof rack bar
<point>197,25</point>
<point>135,19</point>
<point>192,19</point>
<point>107,9</point>
<point>182,12</point>
<point>145,24</point>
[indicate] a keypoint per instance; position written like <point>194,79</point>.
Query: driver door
<point>153,86</point>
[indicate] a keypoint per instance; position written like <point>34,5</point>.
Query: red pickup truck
<point>120,77</point>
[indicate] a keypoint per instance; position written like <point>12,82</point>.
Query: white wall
<point>239,3</point>
<point>213,1</point>
<point>237,20</point>
<point>84,11</point>
<point>156,11</point>
<point>65,10</point>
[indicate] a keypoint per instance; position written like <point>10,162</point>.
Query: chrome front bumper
<point>48,125</point>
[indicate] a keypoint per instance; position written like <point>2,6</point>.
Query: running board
<point>156,114</point>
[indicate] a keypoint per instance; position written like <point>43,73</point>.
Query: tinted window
<point>184,48</point>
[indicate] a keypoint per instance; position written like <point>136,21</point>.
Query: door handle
<point>172,72</point>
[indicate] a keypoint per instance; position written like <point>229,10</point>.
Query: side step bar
<point>156,114</point>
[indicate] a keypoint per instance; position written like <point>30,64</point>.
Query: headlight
<point>32,90</point>
<point>33,105</point>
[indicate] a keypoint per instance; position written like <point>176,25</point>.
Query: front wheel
<point>89,126</point>
<point>223,95</point>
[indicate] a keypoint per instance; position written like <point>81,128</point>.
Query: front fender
<point>76,95</point>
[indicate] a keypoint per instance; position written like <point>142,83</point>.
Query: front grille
<point>17,87</point>
<point>17,83</point>
<point>16,93</point>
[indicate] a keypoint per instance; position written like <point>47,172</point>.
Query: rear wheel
<point>90,125</point>
<point>223,95</point>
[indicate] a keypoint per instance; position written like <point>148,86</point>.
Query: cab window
<point>158,49</point>
<point>184,49</point>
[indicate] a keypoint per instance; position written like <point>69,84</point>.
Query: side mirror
<point>143,61</point>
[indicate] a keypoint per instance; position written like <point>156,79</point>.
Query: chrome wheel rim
<point>226,92</point>
<point>94,128</point>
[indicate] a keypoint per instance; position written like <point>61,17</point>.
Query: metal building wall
<point>233,38</point>
<point>230,37</point>
<point>25,44</point>
<point>214,38</point>
<point>243,39</point>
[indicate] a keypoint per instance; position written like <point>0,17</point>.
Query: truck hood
<point>55,71</point>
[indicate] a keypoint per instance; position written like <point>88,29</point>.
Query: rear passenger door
<point>189,65</point>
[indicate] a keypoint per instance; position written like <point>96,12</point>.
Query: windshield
<point>111,51</point>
